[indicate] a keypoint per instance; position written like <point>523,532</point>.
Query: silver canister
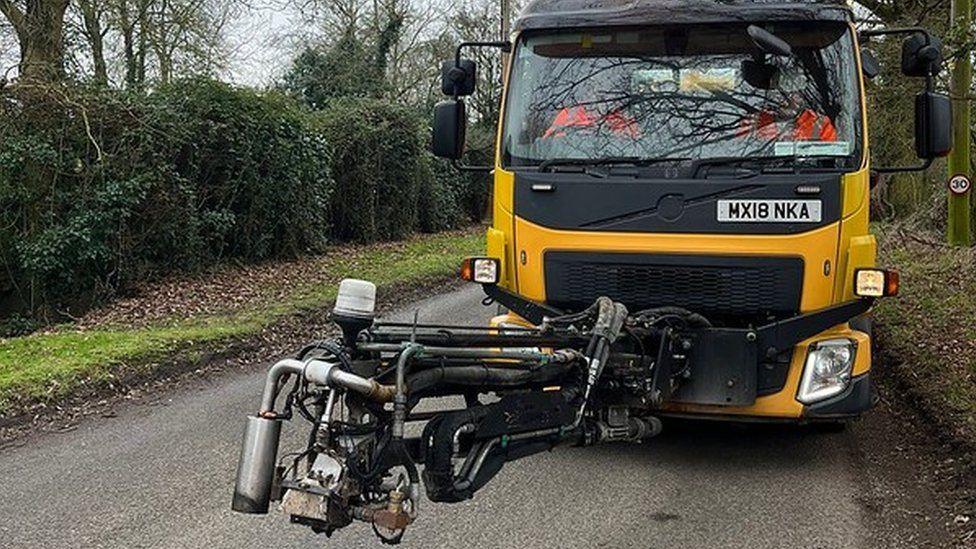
<point>256,468</point>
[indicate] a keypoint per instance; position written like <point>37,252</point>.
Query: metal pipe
<point>458,352</point>
<point>329,406</point>
<point>482,340</point>
<point>474,462</point>
<point>275,373</point>
<point>329,374</point>
<point>400,400</point>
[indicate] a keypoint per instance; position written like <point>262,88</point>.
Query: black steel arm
<point>785,334</point>
<point>530,310</point>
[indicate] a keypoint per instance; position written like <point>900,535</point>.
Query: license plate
<point>770,211</point>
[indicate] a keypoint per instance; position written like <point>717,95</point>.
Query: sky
<point>261,43</point>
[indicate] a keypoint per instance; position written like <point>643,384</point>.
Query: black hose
<point>484,375</point>
<point>693,320</point>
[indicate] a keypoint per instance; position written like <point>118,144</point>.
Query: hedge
<point>100,189</point>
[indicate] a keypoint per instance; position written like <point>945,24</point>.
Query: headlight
<point>483,270</point>
<point>827,371</point>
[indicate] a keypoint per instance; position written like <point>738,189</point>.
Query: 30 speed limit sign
<point>960,184</point>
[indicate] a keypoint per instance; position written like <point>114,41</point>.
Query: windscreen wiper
<point>791,162</point>
<point>547,165</point>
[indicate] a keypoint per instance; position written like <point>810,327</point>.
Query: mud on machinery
<point>584,378</point>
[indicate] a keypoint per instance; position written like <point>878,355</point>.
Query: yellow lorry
<point>680,227</point>
<point>712,156</point>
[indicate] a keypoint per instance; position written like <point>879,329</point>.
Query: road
<point>160,475</point>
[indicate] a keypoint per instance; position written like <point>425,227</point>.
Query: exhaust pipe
<point>256,467</point>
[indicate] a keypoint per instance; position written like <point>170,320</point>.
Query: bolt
<point>731,383</point>
<point>751,337</point>
<point>686,345</point>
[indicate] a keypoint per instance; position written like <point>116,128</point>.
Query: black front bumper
<point>724,362</point>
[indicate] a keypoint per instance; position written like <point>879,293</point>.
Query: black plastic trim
<point>857,399</point>
<point>785,334</point>
<point>572,201</point>
<point>532,311</point>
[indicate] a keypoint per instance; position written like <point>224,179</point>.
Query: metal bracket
<point>785,334</point>
<point>530,310</point>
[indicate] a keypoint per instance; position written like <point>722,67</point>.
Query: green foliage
<point>349,67</point>
<point>441,193</point>
<point>101,188</point>
<point>379,160</point>
<point>252,158</point>
<point>321,74</point>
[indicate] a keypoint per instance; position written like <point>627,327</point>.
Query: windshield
<point>688,93</point>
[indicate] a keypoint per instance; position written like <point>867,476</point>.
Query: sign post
<point>960,169</point>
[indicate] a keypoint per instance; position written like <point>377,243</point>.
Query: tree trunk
<point>95,35</point>
<point>132,23</point>
<point>143,42</point>
<point>40,32</point>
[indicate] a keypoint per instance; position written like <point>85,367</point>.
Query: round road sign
<point>960,184</point>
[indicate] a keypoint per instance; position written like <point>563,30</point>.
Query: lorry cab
<point>702,156</point>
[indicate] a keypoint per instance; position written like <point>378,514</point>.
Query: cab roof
<point>574,14</point>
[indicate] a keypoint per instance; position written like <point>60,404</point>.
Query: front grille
<point>742,288</point>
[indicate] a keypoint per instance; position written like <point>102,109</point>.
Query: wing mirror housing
<point>450,127</point>
<point>458,77</point>
<point>921,57</point>
<point>933,125</point>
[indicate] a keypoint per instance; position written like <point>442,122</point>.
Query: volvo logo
<point>670,207</point>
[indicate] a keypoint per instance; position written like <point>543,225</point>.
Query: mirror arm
<point>866,35</point>
<point>905,169</point>
<point>503,45</point>
<point>506,47</point>
<point>471,169</point>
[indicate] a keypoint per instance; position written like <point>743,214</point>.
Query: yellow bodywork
<point>830,254</point>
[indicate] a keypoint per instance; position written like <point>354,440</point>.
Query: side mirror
<point>933,125</point>
<point>450,126</point>
<point>921,55</point>
<point>458,79</point>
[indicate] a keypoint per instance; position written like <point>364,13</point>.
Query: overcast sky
<point>261,44</point>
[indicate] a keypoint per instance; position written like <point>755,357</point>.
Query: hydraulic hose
<point>484,375</point>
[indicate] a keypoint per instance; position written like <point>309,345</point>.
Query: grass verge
<point>927,335</point>
<point>48,366</point>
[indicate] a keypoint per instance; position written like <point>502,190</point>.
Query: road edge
<point>161,375</point>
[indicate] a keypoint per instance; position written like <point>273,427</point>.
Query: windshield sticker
<point>812,148</point>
